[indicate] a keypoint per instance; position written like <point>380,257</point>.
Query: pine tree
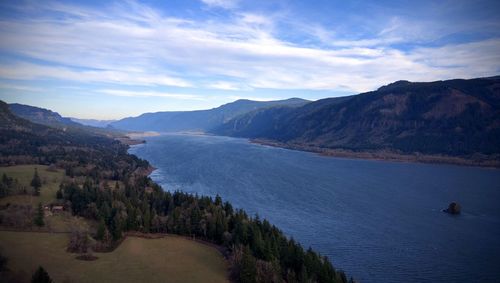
<point>248,268</point>
<point>59,194</point>
<point>147,219</point>
<point>41,276</point>
<point>101,230</point>
<point>3,263</point>
<point>36,183</point>
<point>39,216</point>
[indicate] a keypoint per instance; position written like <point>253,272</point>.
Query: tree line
<point>258,250</point>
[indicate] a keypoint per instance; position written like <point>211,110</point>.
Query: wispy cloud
<point>226,4</point>
<point>128,93</point>
<point>131,44</point>
<point>30,71</point>
<point>20,87</point>
<point>228,86</point>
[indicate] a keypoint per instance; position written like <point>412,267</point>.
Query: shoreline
<point>478,160</point>
<point>386,155</point>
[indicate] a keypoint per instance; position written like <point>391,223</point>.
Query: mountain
<point>455,117</point>
<point>93,122</point>
<point>40,115</point>
<point>53,119</point>
<point>90,163</point>
<point>25,142</point>
<point>22,141</point>
<point>201,120</point>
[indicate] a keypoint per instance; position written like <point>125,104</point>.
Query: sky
<point>109,60</point>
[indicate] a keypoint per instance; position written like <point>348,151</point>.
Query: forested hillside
<point>40,115</point>
<point>53,119</point>
<point>257,250</point>
<point>455,118</point>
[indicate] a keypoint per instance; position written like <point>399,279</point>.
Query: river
<point>378,221</point>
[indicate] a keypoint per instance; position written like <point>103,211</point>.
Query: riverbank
<point>478,160</point>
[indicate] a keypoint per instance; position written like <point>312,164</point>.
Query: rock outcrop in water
<point>454,208</point>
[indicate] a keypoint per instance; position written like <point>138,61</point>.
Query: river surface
<point>378,221</point>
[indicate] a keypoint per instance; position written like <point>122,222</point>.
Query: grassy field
<point>24,174</point>
<point>63,221</point>
<point>170,259</point>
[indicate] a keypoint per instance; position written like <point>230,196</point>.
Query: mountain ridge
<point>457,118</point>
<point>40,115</point>
<point>198,120</point>
<point>52,119</point>
<point>93,122</point>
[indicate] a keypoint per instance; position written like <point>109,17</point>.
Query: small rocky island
<point>454,208</point>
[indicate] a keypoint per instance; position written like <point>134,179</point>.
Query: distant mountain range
<point>23,141</point>
<point>93,122</point>
<point>55,120</point>
<point>454,117</point>
<point>201,120</point>
<point>40,115</point>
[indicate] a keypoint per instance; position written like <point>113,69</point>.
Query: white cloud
<point>20,87</point>
<point>30,71</point>
<point>227,86</point>
<point>226,4</point>
<point>128,93</point>
<point>136,45</point>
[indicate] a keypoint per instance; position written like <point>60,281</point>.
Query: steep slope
<point>22,141</point>
<point>455,117</point>
<point>40,115</point>
<point>53,119</point>
<point>201,120</point>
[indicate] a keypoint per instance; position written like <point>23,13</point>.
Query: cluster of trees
<point>257,249</point>
<point>11,186</point>
<point>7,185</point>
<point>77,150</point>
<point>401,117</point>
<point>41,276</point>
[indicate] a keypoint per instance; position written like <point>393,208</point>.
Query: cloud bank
<point>129,44</point>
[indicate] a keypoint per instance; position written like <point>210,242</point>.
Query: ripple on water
<point>378,221</point>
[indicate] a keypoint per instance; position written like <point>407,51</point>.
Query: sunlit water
<point>378,221</point>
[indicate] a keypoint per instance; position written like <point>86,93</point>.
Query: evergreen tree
<point>248,268</point>
<point>101,230</point>
<point>36,183</point>
<point>39,216</point>
<point>147,220</point>
<point>3,190</point>
<point>218,200</point>
<point>41,276</point>
<point>3,262</point>
<point>59,194</point>
<point>7,181</point>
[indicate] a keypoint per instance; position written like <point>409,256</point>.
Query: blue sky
<point>108,60</point>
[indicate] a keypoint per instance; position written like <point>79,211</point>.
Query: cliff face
<point>455,117</point>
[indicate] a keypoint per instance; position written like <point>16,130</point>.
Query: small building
<point>57,208</point>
